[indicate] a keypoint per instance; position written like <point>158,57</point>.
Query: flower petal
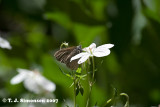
<point>46,84</point>
<point>92,46</point>
<point>101,53</point>
<point>78,56</point>
<point>105,46</point>
<point>84,58</point>
<point>23,70</point>
<point>31,84</point>
<point>4,43</point>
<point>39,84</point>
<point>23,74</point>
<point>18,78</point>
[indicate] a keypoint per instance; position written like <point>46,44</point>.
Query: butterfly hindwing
<point>73,64</point>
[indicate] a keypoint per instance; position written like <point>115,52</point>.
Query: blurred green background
<point>36,28</point>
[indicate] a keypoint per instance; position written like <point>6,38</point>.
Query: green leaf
<point>81,90</point>
<point>77,91</point>
<point>68,75</point>
<point>60,18</point>
<point>81,76</point>
<point>78,70</point>
<point>86,34</point>
<point>98,7</point>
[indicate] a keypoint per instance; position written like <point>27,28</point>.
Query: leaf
<point>71,84</point>
<point>77,91</point>
<point>68,75</point>
<point>81,76</point>
<point>78,70</point>
<point>91,32</point>
<point>98,7</point>
<point>59,17</point>
<point>81,91</point>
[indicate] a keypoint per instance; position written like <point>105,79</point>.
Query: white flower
<point>4,43</point>
<point>33,81</point>
<point>100,51</point>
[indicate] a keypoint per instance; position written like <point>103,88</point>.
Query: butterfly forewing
<point>64,55</point>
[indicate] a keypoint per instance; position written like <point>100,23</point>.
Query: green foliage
<point>36,29</point>
<point>60,18</point>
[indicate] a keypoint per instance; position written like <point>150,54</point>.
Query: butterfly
<point>64,55</point>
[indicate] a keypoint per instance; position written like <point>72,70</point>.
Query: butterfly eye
<point>79,49</point>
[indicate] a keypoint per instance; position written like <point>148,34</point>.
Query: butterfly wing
<point>73,64</point>
<point>64,56</point>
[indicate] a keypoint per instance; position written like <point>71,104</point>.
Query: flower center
<point>90,50</point>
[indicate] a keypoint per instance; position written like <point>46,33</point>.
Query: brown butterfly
<point>64,56</point>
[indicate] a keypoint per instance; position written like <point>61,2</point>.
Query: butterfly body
<point>64,55</point>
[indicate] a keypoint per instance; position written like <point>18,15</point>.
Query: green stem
<point>107,102</point>
<point>87,69</point>
<point>127,102</point>
<point>90,89</point>
<point>74,90</point>
<point>91,82</point>
<point>93,68</point>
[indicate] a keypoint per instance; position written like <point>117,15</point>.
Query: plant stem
<point>127,102</point>
<point>91,82</point>
<point>74,90</point>
<point>90,89</point>
<point>93,68</point>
